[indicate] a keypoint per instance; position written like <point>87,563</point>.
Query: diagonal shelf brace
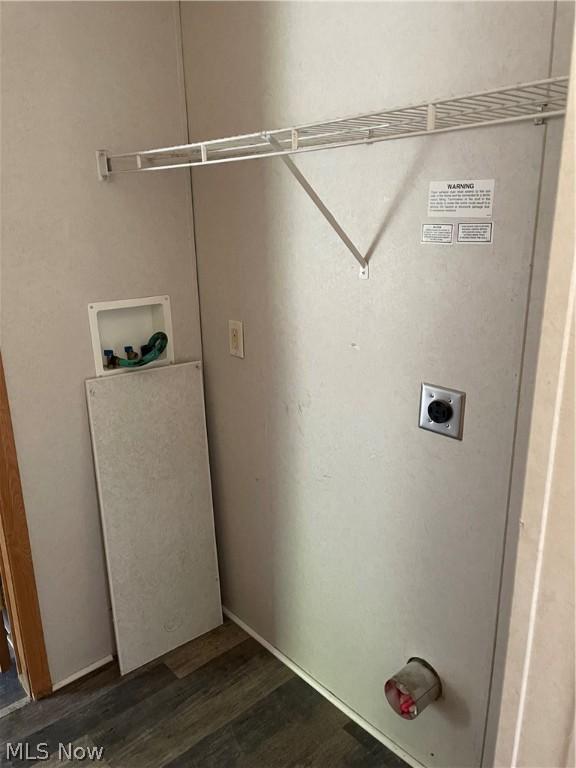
<point>330,218</point>
<point>536,101</point>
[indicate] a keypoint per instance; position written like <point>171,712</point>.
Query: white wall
<point>348,538</point>
<point>77,77</point>
<point>541,653</point>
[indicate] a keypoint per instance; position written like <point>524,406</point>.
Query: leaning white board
<point>151,459</point>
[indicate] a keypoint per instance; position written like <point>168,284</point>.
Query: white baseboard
<point>326,693</point>
<point>82,672</point>
<point>14,706</point>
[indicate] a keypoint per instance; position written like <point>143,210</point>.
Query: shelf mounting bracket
<point>328,215</point>
<point>102,164</point>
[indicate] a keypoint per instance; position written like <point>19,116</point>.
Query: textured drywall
<point>151,458</point>
<point>348,538</point>
<point>77,77</point>
<point>541,650</point>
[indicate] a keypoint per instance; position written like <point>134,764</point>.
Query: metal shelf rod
<point>526,94</point>
<point>536,116</point>
<point>535,101</point>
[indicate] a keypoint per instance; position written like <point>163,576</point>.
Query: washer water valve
<point>413,688</point>
<point>149,352</point>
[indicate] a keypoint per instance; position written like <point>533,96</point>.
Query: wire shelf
<point>536,101</point>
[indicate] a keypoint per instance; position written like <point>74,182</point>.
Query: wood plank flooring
<point>11,690</point>
<point>221,701</point>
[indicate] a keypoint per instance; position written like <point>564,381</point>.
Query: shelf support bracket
<point>307,187</point>
<point>102,164</point>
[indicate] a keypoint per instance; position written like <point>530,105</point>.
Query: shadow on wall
<point>252,262</point>
<point>402,192</point>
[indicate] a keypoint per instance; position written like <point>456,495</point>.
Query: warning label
<point>437,233</point>
<point>475,233</point>
<point>468,199</point>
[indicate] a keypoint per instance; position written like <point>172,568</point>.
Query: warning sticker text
<point>475,233</point>
<point>465,199</point>
<point>437,233</point>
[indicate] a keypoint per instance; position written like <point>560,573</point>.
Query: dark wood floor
<point>11,690</point>
<point>221,701</point>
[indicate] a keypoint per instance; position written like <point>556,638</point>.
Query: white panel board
<point>151,458</point>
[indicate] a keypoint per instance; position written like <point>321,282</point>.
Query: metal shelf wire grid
<point>536,101</point>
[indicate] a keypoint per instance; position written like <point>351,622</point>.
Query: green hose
<point>157,341</point>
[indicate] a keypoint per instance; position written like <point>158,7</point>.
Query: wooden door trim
<point>16,561</point>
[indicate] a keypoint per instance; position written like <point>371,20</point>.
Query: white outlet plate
<point>455,399</point>
<point>236,338</point>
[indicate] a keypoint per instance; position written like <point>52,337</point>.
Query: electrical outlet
<point>442,410</point>
<point>236,338</point>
